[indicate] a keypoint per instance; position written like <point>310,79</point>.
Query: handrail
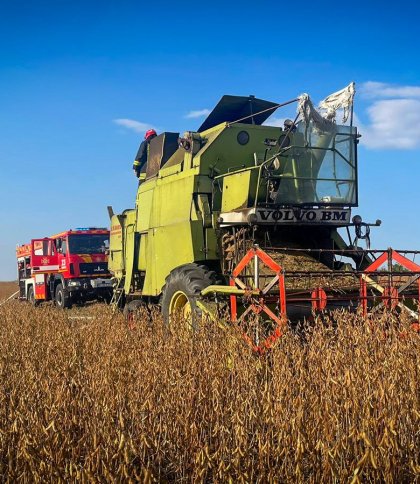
<point>280,153</point>
<point>255,167</point>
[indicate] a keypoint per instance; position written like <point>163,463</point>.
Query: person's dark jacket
<point>141,157</point>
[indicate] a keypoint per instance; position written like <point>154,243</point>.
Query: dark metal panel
<point>161,149</point>
<point>233,108</point>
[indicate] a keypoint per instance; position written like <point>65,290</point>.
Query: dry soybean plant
<point>92,400</point>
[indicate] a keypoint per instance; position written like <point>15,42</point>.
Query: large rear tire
<point>181,291</point>
<point>61,300</point>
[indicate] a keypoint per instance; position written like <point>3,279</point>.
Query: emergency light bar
<point>89,228</point>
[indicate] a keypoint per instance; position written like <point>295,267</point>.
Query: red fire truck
<point>70,267</point>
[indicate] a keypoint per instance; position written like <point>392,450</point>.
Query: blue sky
<point>79,82</point>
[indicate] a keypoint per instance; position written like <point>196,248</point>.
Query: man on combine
<point>142,153</point>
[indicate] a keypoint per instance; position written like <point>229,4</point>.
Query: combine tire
<point>181,290</point>
<point>62,301</point>
<point>31,296</point>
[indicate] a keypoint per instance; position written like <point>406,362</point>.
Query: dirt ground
<point>7,289</point>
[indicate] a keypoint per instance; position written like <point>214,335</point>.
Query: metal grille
<point>93,268</point>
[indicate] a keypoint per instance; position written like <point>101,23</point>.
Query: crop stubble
<point>7,289</point>
<point>92,400</point>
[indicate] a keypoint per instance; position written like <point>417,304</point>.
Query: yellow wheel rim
<point>180,305</point>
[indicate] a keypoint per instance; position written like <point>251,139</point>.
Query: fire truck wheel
<point>61,301</point>
<point>181,291</point>
<point>31,296</point>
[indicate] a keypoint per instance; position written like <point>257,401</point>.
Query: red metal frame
<point>318,298</point>
<point>258,304</point>
<point>389,294</point>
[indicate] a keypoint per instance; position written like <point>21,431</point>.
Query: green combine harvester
<point>244,217</point>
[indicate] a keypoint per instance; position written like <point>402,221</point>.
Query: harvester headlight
<point>357,220</point>
<point>74,283</point>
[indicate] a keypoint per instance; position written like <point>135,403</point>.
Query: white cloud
<point>373,89</point>
<point>197,114</point>
<point>393,123</point>
<point>137,126</point>
<point>394,116</point>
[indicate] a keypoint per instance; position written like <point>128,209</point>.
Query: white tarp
<point>324,117</point>
<point>339,100</point>
<point>308,112</point>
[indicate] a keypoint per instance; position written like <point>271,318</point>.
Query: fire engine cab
<point>70,267</point>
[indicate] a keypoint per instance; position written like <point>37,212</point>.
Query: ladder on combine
<point>117,294</point>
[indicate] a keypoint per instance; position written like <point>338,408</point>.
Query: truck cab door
<point>43,262</point>
<point>44,257</point>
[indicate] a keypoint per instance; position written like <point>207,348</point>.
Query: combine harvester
<point>245,216</point>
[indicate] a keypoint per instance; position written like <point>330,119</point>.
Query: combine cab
<point>248,217</point>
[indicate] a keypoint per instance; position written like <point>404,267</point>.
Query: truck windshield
<point>319,167</point>
<point>88,244</point>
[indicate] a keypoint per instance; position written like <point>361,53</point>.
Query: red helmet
<point>150,132</point>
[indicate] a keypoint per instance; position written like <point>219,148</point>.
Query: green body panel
<point>239,190</point>
<point>123,246</point>
<point>173,221</point>
<point>211,245</point>
<point>142,260</point>
<point>171,247</point>
<point>131,252</point>
<point>116,247</point>
<point>144,200</point>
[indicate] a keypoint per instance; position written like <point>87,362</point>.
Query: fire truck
<point>68,268</point>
